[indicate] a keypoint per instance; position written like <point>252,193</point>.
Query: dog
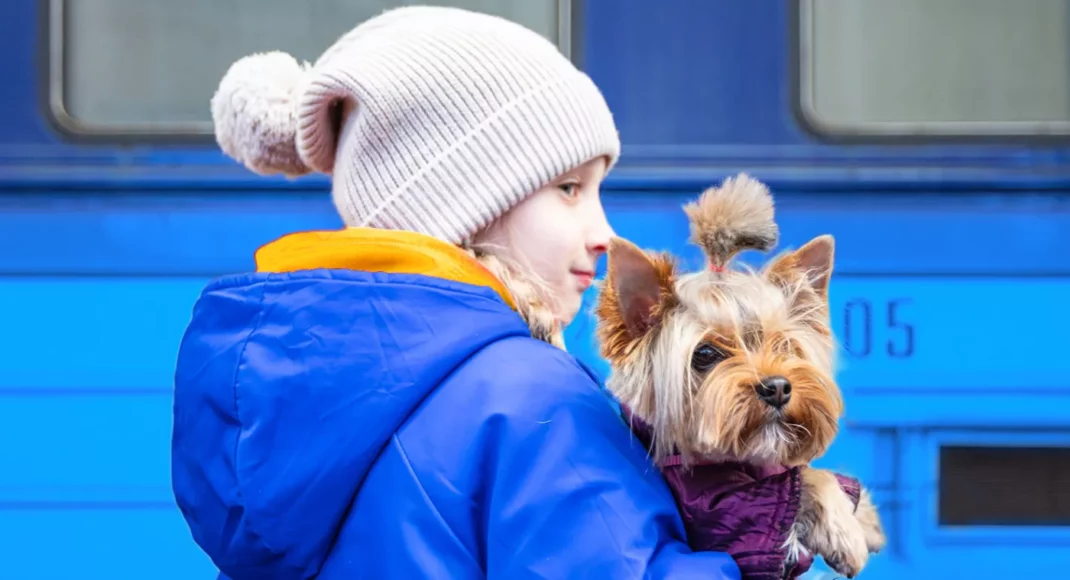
<point>726,375</point>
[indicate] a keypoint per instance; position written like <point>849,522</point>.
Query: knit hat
<point>457,116</point>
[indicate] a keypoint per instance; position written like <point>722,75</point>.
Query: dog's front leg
<point>867,516</point>
<point>826,523</point>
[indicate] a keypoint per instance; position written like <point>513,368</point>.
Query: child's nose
<point>599,235</point>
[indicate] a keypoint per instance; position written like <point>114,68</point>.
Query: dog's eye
<point>706,356</point>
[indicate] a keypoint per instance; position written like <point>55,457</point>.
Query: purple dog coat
<point>741,509</point>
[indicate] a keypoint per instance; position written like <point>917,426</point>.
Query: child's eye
<point>569,190</point>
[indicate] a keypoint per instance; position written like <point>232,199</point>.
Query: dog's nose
<point>774,391</point>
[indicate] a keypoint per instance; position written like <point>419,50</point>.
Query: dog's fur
<point>687,352</point>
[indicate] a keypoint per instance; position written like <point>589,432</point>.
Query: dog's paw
<point>827,524</point>
<point>844,543</point>
<point>867,515</point>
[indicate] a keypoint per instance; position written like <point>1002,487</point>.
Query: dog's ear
<point>637,292</point>
<point>813,262</point>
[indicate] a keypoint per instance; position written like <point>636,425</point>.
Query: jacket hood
<point>291,380</point>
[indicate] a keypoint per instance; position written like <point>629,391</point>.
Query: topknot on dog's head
<point>731,218</point>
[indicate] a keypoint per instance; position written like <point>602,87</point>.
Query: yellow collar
<point>376,250</point>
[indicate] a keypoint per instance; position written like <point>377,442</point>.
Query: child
<point>386,401</point>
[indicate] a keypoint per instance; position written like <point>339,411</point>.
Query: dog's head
<point>729,362</point>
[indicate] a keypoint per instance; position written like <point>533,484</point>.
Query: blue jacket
<point>337,423</point>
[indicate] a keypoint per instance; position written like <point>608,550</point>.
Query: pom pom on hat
<point>255,113</point>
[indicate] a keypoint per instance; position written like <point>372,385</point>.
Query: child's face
<point>559,233</point>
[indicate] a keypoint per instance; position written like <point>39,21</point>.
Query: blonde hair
<point>534,297</point>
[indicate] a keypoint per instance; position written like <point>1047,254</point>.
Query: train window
<point>953,67</point>
<point>149,67</point>
<point>1004,486</point>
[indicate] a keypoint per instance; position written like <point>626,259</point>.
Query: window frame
<point>54,63</point>
<point>801,38</point>
<point>933,532</point>
<point>953,467</point>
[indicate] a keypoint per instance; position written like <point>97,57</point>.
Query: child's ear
<point>812,261</point>
<point>638,289</point>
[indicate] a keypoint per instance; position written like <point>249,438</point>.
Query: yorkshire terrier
<point>726,375</point>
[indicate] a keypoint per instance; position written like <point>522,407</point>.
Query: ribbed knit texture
<point>458,117</point>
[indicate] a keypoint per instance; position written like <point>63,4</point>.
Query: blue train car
<point>929,137</point>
